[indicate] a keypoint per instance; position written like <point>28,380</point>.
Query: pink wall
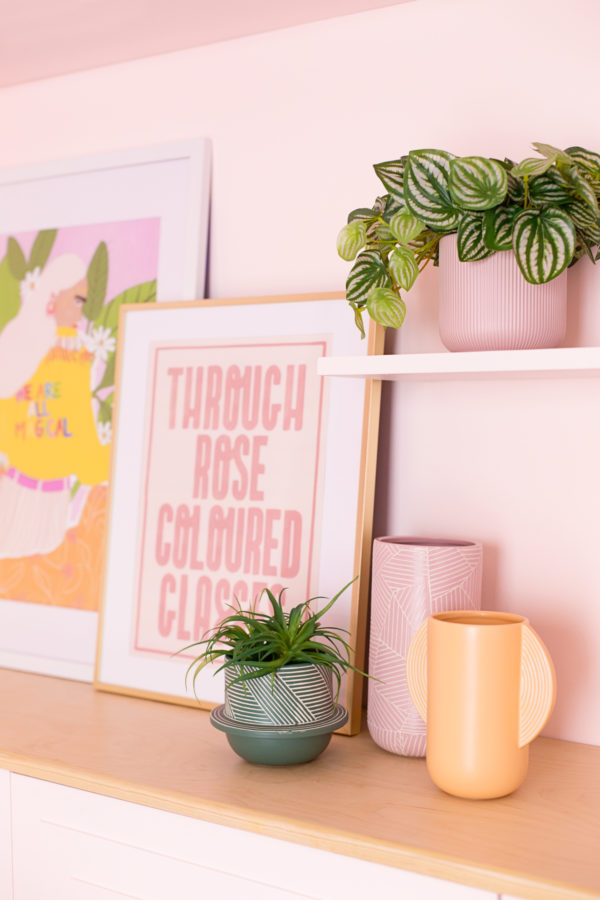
<point>296,118</point>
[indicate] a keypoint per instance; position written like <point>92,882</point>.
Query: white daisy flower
<point>29,283</point>
<point>104,432</point>
<point>102,342</point>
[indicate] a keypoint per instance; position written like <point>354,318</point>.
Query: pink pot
<point>413,578</point>
<point>488,305</point>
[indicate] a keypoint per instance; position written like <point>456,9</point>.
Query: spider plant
<point>260,643</point>
<point>544,210</point>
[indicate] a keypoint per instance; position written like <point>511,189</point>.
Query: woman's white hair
<point>27,338</point>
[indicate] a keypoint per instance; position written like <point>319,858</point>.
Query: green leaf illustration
<point>477,183</point>
<point>41,249</point>
<point>426,189</point>
<point>108,379</point>
<point>10,296</point>
<point>544,243</point>
<point>97,276</point>
<point>368,272</point>
<point>139,293</point>
<point>386,307</point>
<point>470,244</point>
<point>105,412</point>
<point>16,259</point>
<point>351,239</point>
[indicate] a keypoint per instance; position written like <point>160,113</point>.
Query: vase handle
<point>538,686</point>
<point>416,670</point>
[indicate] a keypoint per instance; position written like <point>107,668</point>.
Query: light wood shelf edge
<point>409,859</point>
<point>571,361</point>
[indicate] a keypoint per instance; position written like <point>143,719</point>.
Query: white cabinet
<point>73,845</point>
<point>5,838</point>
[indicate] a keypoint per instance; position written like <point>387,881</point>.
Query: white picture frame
<point>168,181</point>
<point>150,456</point>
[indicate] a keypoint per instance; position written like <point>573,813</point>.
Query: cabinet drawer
<point>73,845</point>
<point>5,838</point>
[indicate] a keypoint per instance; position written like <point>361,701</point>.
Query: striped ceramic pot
<point>488,305</point>
<point>297,694</point>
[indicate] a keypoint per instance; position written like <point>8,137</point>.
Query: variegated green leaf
<point>358,319</point>
<point>360,213</point>
<point>544,243</point>
<point>583,190</point>
<point>477,183</point>
<point>516,188</point>
<point>386,307</point>
<point>549,188</point>
<point>367,273</point>
<point>405,227</point>
<point>393,206</point>
<point>391,175</point>
<point>554,154</point>
<point>586,160</point>
<point>351,239</point>
<point>426,189</point>
<point>531,166</point>
<point>498,227</point>
<point>470,245</point>
<point>380,205</point>
<point>403,267</point>
<point>585,221</point>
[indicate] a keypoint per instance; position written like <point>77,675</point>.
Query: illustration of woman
<point>47,429</point>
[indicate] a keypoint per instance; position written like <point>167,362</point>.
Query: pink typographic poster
<point>60,294</point>
<point>231,490</point>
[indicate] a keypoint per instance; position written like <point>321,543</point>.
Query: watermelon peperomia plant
<point>543,209</point>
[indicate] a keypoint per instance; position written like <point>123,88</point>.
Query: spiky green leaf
<point>405,227</point>
<point>368,272</point>
<point>543,243</point>
<point>498,227</point>
<point>477,183</point>
<point>391,175</point>
<point>403,267</point>
<point>426,189</point>
<point>470,245</point>
<point>351,239</point>
<point>386,307</point>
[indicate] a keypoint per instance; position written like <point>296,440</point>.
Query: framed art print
<point>236,467</point>
<point>78,239</point>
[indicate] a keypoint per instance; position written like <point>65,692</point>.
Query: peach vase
<point>485,684</point>
<point>412,578</point>
<point>488,305</point>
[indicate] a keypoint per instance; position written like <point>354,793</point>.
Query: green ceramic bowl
<point>278,745</point>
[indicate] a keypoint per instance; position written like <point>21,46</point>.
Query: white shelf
<point>490,363</point>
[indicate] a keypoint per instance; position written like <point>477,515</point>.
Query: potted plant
<point>280,668</point>
<point>534,219</point>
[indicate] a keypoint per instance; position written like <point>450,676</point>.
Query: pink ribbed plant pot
<point>412,579</point>
<point>488,305</point>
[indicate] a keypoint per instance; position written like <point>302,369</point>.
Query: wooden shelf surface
<point>542,842</point>
<point>572,361</point>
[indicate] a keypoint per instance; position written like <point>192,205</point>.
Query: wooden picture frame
<point>166,185</point>
<point>194,521</point>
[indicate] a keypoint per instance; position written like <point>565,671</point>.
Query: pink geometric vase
<point>488,305</point>
<point>412,579</point>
